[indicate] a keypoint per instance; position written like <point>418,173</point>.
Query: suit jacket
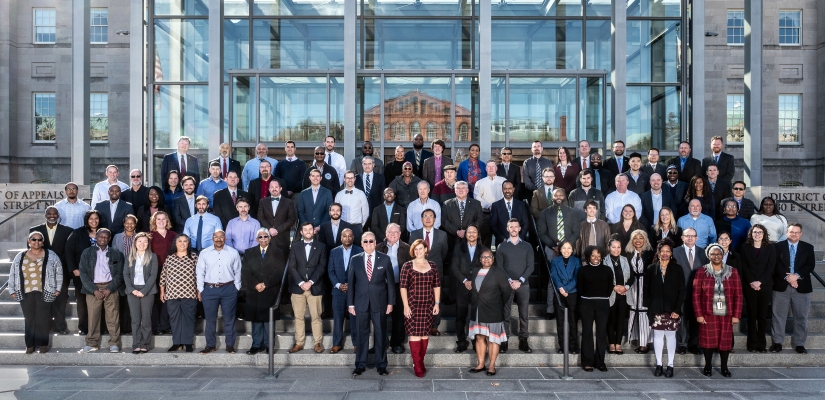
<point>607,180</point>
<point>302,269</point>
<point>417,168</point>
<point>647,218</point>
<point>403,256</point>
<point>150,276</point>
<point>335,266</point>
<point>439,247</point>
<point>693,167</point>
<point>450,215</point>
<point>661,169</point>
<point>547,229</point>
<point>428,170</point>
<point>639,186</point>
<point>611,164</point>
<point>224,208</point>
<point>329,180</point>
<point>528,172</point>
<point>513,175</point>
<point>114,224</point>
<point>462,264</point>
<point>370,295</point>
<point>357,166</point>
<point>578,162</point>
<point>380,222</point>
<point>234,165</point>
<point>283,220</point>
<point>803,266</point>
<point>539,203</point>
<point>58,245</point>
<point>488,300</point>
<point>325,233</point>
<point>137,199</point>
<point>725,165</point>
<point>254,191</point>
<point>499,218</point>
<point>757,268</point>
<point>316,212</point>
<point>721,190</point>
<point>677,196</point>
<point>377,187</point>
<point>255,270</point>
<point>699,260</point>
<point>171,163</point>
<point>180,212</point>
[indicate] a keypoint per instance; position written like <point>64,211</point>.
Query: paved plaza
<point>204,383</point>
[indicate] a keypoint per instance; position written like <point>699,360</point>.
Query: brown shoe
<point>434,332</point>
<point>335,349</point>
<point>296,348</point>
<point>44,349</point>
<point>319,348</point>
<point>29,350</point>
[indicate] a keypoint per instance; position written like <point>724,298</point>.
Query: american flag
<point>158,78</point>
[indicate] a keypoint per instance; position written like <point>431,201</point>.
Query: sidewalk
<point>205,383</point>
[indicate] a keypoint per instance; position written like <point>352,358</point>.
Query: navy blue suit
<point>172,163</point>
<point>338,274</point>
<point>370,298</point>
<point>376,197</point>
<point>114,224</point>
<point>648,218</point>
<point>316,212</point>
<point>499,218</point>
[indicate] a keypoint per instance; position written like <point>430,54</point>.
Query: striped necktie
<point>560,225</point>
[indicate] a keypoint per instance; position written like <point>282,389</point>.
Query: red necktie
<point>369,268</point>
<point>585,163</point>
<point>183,165</point>
<point>224,169</point>
<point>234,198</point>
<point>427,239</point>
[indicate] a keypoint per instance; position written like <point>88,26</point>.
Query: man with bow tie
<point>307,265</point>
<point>277,214</point>
<point>355,208</point>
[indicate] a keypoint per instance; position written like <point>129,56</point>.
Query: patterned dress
<point>717,332</point>
<point>420,297</point>
<point>638,325</point>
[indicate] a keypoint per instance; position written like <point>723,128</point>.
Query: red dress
<point>161,246</point>
<point>420,297</point>
<point>717,332</point>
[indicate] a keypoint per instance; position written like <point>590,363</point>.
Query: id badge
<point>718,304</point>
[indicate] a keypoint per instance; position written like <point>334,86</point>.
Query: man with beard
<point>259,187</point>
<point>200,226</point>
<point>291,171</point>
<point>619,163</point>
<point>687,165</point>
<point>417,155</point>
<point>137,192</point>
<point>389,212</point>
<point>552,235</point>
<point>72,210</point>
<point>723,161</point>
<point>329,175</point>
<point>603,178</point>
<point>543,194</point>
<point>586,191</point>
<point>334,159</point>
<point>184,206</point>
<point>395,167</point>
<point>252,168</point>
<point>532,170</point>
<point>434,166</point>
<point>367,151</point>
<point>277,214</point>
<point>330,231</point>
<point>225,162</point>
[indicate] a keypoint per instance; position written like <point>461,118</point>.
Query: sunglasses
<point>319,153</point>
<point>135,176</point>
<point>36,240</point>
<point>368,241</point>
<point>507,154</point>
<point>407,169</point>
<point>672,173</point>
<point>263,237</point>
<point>739,188</point>
<point>367,147</point>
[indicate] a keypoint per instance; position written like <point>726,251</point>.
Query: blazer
<point>462,264</point>
<point>602,235</point>
<point>566,278</point>
<point>513,175</point>
<point>663,296</point>
<point>693,167</point>
<point>803,266</point>
<point>171,163</point>
<point>639,186</point>
<point>677,196</point>
<point>137,199</point>
<point>661,169</point>
<point>254,194</point>
<point>144,216</point>
<point>379,222</point>
<point>488,300</point>
<point>439,247</point>
<point>548,231</point>
<point>450,216</point>
<point>499,218</point>
<point>607,179</point>
<point>613,166</point>
<point>721,190</point>
<point>302,269</point>
<point>654,237</point>
<point>329,179</point>
<point>377,187</point>
<point>234,165</point>
<point>88,260</point>
<point>282,220</point>
<point>370,295</point>
<point>428,170</point>
<point>268,270</point>
<point>114,224</point>
<point>539,202</point>
<point>725,165</point>
<point>325,233</point>
<point>224,208</point>
<point>316,212</point>
<point>699,260</point>
<point>150,276</point>
<point>335,266</point>
<point>528,172</point>
<point>357,166</point>
<point>757,268</point>
<point>403,256</point>
<point>417,168</point>
<point>59,244</point>
<point>647,218</point>
<point>180,212</point>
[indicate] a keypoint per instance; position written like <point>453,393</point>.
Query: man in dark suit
<point>184,206</point>
<point>653,166</point>
<point>637,181</point>
<point>691,257</point>
<point>226,163</point>
<point>436,240</point>
<point>314,202</point>
<point>792,288</point>
<point>417,155</point>
<point>650,208</point>
<point>547,224</point>
<point>430,173</point>
<point>259,187</point>
<point>510,171</point>
<point>55,236</point>
<point>180,161</point>
<point>277,214</point>
<point>307,265</point>
<point>719,188</point>
<point>386,213</point>
<point>532,171</point>
<point>223,204</point>
<point>338,270</point>
<point>583,160</point>
<point>619,163</point>
<point>137,192</point>
<point>370,297</point>
<point>113,211</point>
<point>603,178</point>
<point>676,188</point>
<point>720,159</point>
<point>506,208</point>
<point>330,233</point>
<point>375,190</point>
<point>458,213</point>
<point>466,257</point>
<point>399,253</point>
<point>687,165</point>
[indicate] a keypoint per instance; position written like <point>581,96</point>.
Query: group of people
<point>145,260</point>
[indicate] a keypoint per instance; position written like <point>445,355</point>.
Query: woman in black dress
<point>616,322</point>
<point>757,268</point>
<point>595,284</point>
<point>664,294</point>
<point>421,295</point>
<point>626,225</point>
<point>490,293</point>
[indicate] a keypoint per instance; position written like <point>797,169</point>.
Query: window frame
<point>35,25</point>
<point>728,102</point>
<point>35,117</point>
<point>798,29</point>
<point>798,119</point>
<point>92,25</point>
<point>91,110</point>
<point>728,27</point>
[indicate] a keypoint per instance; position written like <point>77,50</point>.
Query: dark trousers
<point>227,298</point>
<point>591,311</point>
<point>442,276</point>
<point>125,315</point>
<point>462,304</point>
<point>260,334</point>
<point>398,335</point>
<point>82,310</point>
<point>141,321</point>
<point>617,320</point>
<point>37,316</point>
<point>688,334</point>
<point>59,305</point>
<point>758,304</point>
<point>379,326</point>
<point>182,320</point>
<point>571,302</point>
<point>522,299</point>
<point>160,315</point>
<point>340,314</point>
<point>485,234</point>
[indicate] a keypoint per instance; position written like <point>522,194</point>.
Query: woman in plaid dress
<point>421,294</point>
<point>717,301</point>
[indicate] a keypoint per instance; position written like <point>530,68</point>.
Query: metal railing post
<point>271,332</point>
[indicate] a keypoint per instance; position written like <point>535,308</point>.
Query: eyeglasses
<point>760,233</point>
<point>738,188</point>
<point>487,257</point>
<point>319,153</point>
<point>36,240</point>
<point>407,169</point>
<point>263,237</point>
<point>724,239</point>
<point>368,241</point>
<point>135,176</point>
<point>507,154</point>
<point>689,236</point>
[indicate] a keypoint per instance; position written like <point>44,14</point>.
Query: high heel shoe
<point>707,371</point>
<point>726,373</point>
<point>588,369</point>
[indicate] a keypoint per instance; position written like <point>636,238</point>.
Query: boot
<point>415,352</point>
<point>423,353</point>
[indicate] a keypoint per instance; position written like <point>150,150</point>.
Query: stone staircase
<point>542,340</point>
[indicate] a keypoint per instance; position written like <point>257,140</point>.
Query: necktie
<point>368,186</point>
<point>461,212</point>
<point>263,253</point>
<point>329,158</point>
<point>418,159</point>
<point>585,162</point>
<point>549,195</point>
<point>559,225</point>
<point>506,170</point>
<point>598,181</point>
<point>716,160</point>
<point>712,186</point>
<point>369,267</point>
<point>619,163</point>
<point>427,239</point>
<point>200,232</point>
<point>593,233</point>
<point>509,210</point>
<point>183,165</point>
<point>793,257</point>
<point>538,172</point>
<point>690,258</point>
<point>225,171</point>
<point>234,197</point>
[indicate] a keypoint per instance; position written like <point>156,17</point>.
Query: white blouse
<point>138,279</point>
<point>775,224</point>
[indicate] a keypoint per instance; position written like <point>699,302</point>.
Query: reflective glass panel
<point>181,50</point>
<point>542,109</point>
<point>336,107</point>
<point>537,44</point>
<point>235,45</point>
<point>235,7</point>
<point>293,108</point>
<point>598,8</point>
<point>466,108</point>
<point>653,118</point>
<point>418,8</point>
<point>735,118</point>
<point>598,45</point>
<point>369,109</point>
<point>654,50</point>
<point>498,102</point>
<point>298,44</point>
<point>418,44</point>
<point>654,8</point>
<point>417,104</point>
<point>298,7</point>
<point>181,7</point>
<point>181,110</point>
<point>243,109</point>
<point>591,98</point>
<point>554,8</point>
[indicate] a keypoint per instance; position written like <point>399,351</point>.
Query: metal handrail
<point>803,208</point>
<point>5,285</point>
<point>271,333</point>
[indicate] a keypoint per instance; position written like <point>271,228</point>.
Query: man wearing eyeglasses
<point>510,171</point>
<point>746,206</point>
<point>137,192</point>
<point>367,150</point>
<point>691,257</point>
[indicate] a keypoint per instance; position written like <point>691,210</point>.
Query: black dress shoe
<point>587,369</point>
<point>775,348</point>
<point>383,371</point>
<point>762,350</point>
<point>491,373</point>
<point>693,350</point>
<point>602,368</point>
<point>189,348</point>
<point>156,333</point>
<point>669,372</point>
<point>574,350</point>
<point>549,316</point>
<point>63,332</point>
<point>208,349</point>
<point>461,346</point>
<point>560,351</point>
<point>681,350</point>
<point>371,350</point>
<point>475,370</point>
<point>503,347</point>
<point>253,351</point>
<point>175,347</point>
<point>230,349</point>
<point>358,371</point>
<point>726,373</point>
<point>524,346</point>
<point>707,371</point>
<point>658,371</point>
<point>398,349</point>
<point>801,350</point>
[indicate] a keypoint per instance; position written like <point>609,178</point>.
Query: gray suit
<point>689,332</point>
<point>140,308</point>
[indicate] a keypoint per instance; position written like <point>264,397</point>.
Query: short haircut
<point>429,210</point>
<point>474,145</point>
<point>74,184</point>
<point>186,138</point>
<point>103,230</point>
<point>616,179</point>
<point>513,220</point>
<point>415,244</point>
<point>188,178</point>
<point>305,224</point>
<point>548,169</point>
<point>52,208</point>
<point>506,181</point>
<point>289,142</point>
<point>367,158</point>
<point>265,161</point>
<point>588,251</point>
<point>558,189</point>
<point>635,155</point>
<point>685,142</point>
<point>462,183</point>
<point>242,200</point>
<point>506,148</point>
<point>112,166</point>
<point>684,231</point>
<point>314,169</point>
<point>232,171</point>
<point>438,142</point>
<point>329,137</point>
<point>393,225</point>
<point>201,197</point>
<point>214,164</point>
<point>743,184</point>
<point>260,231</point>
<point>418,185</point>
<point>586,171</point>
<point>450,168</point>
<point>796,224</point>
<point>591,202</point>
<point>652,149</point>
<point>619,141</point>
<point>717,137</point>
<point>340,207</point>
<point>537,141</point>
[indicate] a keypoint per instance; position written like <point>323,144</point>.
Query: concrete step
<point>14,252</point>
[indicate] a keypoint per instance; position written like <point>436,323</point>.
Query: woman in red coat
<point>717,301</point>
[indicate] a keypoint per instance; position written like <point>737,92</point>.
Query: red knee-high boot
<point>423,353</point>
<point>415,352</point>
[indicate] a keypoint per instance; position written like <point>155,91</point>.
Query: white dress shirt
<point>101,192</point>
<point>414,210</point>
<point>615,201</point>
<point>488,191</point>
<point>657,204</point>
<point>113,208</point>
<point>337,161</point>
<point>354,204</point>
<point>139,279</point>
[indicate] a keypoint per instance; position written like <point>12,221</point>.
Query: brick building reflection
<point>417,112</point>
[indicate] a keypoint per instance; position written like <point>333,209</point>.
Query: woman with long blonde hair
<point>140,276</point>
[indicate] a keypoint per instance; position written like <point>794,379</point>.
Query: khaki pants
<point>300,303</point>
<point>111,306</point>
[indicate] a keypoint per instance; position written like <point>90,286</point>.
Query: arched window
<point>431,130</point>
<point>415,128</point>
<point>373,132</point>
<point>464,133</point>
<point>398,131</point>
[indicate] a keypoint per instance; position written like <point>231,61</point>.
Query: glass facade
<point>418,70</point>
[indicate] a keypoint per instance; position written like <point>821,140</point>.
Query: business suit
<point>379,220</point>
<point>282,220</point>
<point>171,162</point>
<point>268,270</point>
<point>140,308</point>
<point>369,297</point>
<point>376,196</point>
<point>418,167</point>
<point>725,164</point>
<point>499,217</point>
<point>720,190</point>
<point>689,332</point>
<point>325,234</point>
<point>428,170</point>
<point>677,196</point>
<point>612,165</point>
<point>528,172</point>
<point>316,211</point>
<point>757,268</point>
<point>307,269</point>
<point>661,169</point>
<point>546,227</point>
<point>439,251</point>
<point>540,201</point>
<point>639,185</point>
<point>463,265</point>
<point>451,220</point>
<point>234,165</point>
<point>785,296</point>
<point>224,208</point>
<point>257,193</point>
<point>693,167</point>
<point>337,270</point>
<point>357,165</point>
<point>136,198</point>
<point>403,255</point>
<point>512,174</point>
<point>58,246</point>
<point>606,179</point>
<point>114,224</point>
<point>648,218</point>
<point>181,211</point>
